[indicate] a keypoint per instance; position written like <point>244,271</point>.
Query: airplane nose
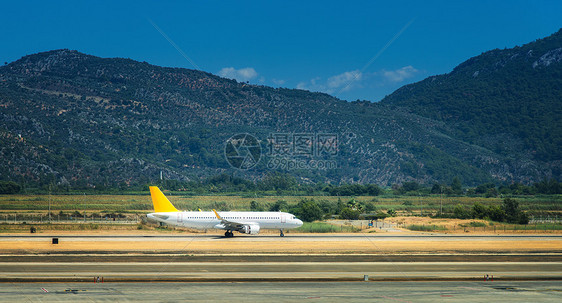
<point>299,222</point>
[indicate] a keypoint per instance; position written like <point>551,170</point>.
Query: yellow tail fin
<point>160,202</point>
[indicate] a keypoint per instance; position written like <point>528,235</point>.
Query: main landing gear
<point>281,234</point>
<point>228,234</point>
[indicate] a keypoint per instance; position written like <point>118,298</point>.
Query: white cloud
<point>334,84</point>
<point>243,74</point>
<point>303,85</point>
<point>400,74</point>
<point>345,80</point>
<point>357,81</point>
<point>278,81</point>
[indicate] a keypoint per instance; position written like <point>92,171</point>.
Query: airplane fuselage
<point>208,220</point>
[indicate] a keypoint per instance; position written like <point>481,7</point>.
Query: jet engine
<point>252,229</point>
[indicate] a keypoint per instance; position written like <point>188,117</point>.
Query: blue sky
<point>350,49</point>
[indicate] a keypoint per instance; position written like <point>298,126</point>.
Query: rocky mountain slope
<point>507,101</point>
<point>79,120</point>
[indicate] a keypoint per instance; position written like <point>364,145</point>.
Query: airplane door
<point>180,217</point>
<point>283,219</point>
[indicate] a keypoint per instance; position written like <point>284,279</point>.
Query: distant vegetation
<point>310,202</point>
<point>9,187</point>
<point>281,183</point>
<point>509,212</point>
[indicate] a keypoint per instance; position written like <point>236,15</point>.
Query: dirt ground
<point>309,244</point>
<point>446,222</point>
<point>460,226</point>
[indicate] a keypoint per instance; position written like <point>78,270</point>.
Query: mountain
<point>81,121</point>
<point>507,101</point>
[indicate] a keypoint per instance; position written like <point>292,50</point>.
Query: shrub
<point>377,216</point>
<point>477,224</point>
<point>513,213</point>
<point>369,207</point>
<point>309,210</point>
<point>279,205</point>
<point>422,227</point>
<point>491,192</point>
<point>460,212</point>
<point>329,208</point>
<point>349,214</point>
<point>496,213</point>
<point>255,206</point>
<point>479,211</point>
<point>321,227</point>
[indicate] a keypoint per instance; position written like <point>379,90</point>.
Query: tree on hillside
<point>456,185</point>
<point>9,187</point>
<point>354,190</point>
<point>436,188</point>
<point>549,187</point>
<point>492,192</point>
<point>410,186</point>
<point>373,189</point>
<point>483,188</point>
<point>278,181</point>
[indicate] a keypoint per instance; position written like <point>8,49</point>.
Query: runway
<point>296,236</point>
<point>276,257</point>
<point>405,292</point>
<point>276,271</point>
<point>328,257</point>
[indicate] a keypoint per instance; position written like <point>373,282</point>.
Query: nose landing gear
<point>281,234</point>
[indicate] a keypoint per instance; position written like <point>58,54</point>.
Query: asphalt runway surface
<point>275,257</point>
<point>211,258</point>
<point>520,291</point>
<point>275,271</point>
<point>289,236</point>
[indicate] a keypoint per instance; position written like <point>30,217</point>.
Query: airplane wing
<point>231,225</point>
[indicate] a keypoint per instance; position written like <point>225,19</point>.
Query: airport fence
<point>68,219</point>
<point>545,219</point>
<point>495,228</point>
<point>366,224</point>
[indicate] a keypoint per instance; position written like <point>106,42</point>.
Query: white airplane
<point>248,222</point>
